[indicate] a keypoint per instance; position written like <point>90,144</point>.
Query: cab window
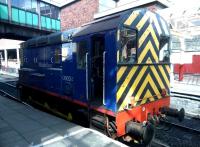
<point>128,51</point>
<point>164,52</point>
<point>81,54</point>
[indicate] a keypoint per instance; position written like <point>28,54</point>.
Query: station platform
<point>22,125</point>
<point>189,85</point>
<point>5,78</point>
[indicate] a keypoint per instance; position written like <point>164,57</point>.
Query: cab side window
<point>81,54</point>
<point>128,51</point>
<point>164,52</point>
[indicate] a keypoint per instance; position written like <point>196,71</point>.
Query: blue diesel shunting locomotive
<point>109,73</point>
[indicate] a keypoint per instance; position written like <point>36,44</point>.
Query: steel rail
<point>188,129</point>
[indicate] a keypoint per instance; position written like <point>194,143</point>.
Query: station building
<point>29,14</point>
<point>75,13</point>
<point>185,39</point>
<point>9,56</point>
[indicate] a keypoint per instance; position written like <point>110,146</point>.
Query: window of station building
<point>164,52</point>
<point>2,55</point>
<point>34,7</point>
<point>55,12</point>
<point>4,1</point>
<point>128,52</point>
<point>45,9</point>
<point>30,5</point>
<point>12,54</point>
<point>49,10</point>
<point>81,51</point>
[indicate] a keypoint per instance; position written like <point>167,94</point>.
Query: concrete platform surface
<point>189,85</point>
<point>186,88</point>
<point>5,77</point>
<point>189,79</point>
<point>22,126</point>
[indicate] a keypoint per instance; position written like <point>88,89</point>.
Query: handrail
<point>104,77</point>
<point>86,75</point>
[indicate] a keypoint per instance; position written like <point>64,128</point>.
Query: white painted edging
<point>59,138</point>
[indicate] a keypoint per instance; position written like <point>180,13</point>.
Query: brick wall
<point>78,13</point>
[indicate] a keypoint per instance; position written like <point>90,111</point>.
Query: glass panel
<point>53,23</point>
<point>2,55</point>
<point>48,23</point>
<point>19,3</point>
<point>45,9</point>
<point>29,18</point>
<point>42,8</point>
<point>67,51</point>
<point>57,56</point>
<point>22,18</point>
<point>12,54</point>
<point>58,25</point>
<point>15,15</point>
<point>35,19</point>
<point>15,3</point>
<point>164,52</point>
<point>26,5</point>
<point>43,21</point>
<point>3,12</point>
<point>54,12</point>
<point>81,54</point>
<point>34,6</point>
<point>4,1</point>
<point>128,43</point>
<point>30,5</point>
<point>48,10</point>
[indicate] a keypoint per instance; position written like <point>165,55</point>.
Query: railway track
<point>175,133</point>
<point>158,143</point>
<point>9,89</point>
<point>181,95</point>
<point>183,127</point>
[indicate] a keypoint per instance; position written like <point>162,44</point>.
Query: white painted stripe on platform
<point>59,138</point>
<point>112,140</point>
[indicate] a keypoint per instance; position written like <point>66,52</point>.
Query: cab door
<point>82,69</point>
<point>96,68</point>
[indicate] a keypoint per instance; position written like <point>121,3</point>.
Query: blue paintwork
<point>68,73</point>
<point>110,80</point>
<point>111,62</point>
<point>65,78</point>
<point>80,75</point>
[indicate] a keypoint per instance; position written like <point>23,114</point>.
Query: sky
<point>185,3</point>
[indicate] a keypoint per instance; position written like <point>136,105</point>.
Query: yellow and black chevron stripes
<point>141,82</point>
<point>148,47</point>
<point>150,26</point>
<point>131,18</point>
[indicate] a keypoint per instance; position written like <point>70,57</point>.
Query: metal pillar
<point>18,59</point>
<point>6,58</point>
